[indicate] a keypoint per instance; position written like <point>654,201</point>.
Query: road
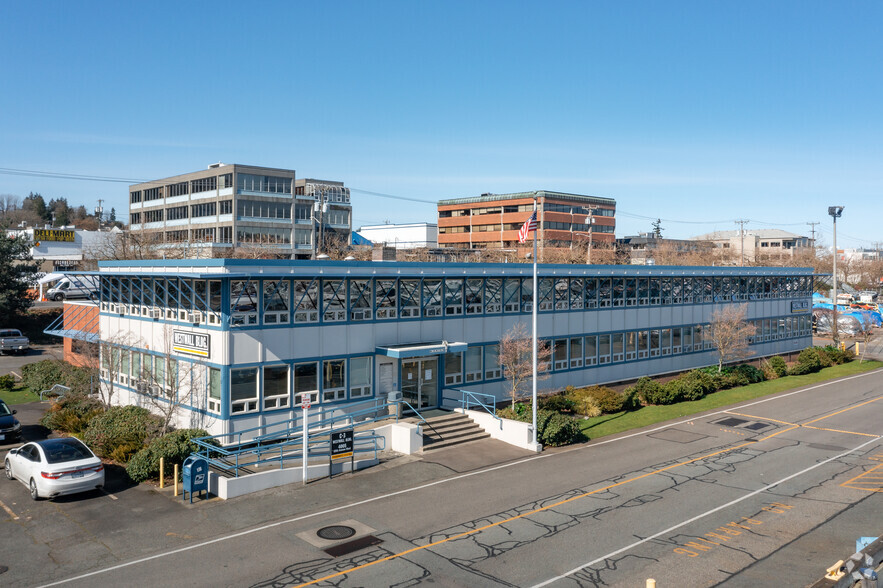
<point>770,491</point>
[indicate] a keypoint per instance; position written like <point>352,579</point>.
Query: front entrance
<point>420,382</point>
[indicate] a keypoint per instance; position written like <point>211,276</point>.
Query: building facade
<point>758,244</point>
<point>403,236</point>
<point>493,220</point>
<point>228,206</point>
<point>61,249</point>
<point>242,344</point>
<point>643,249</point>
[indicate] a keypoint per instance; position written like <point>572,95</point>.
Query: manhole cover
<point>336,532</point>
<point>731,422</point>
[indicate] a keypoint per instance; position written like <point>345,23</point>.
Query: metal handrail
<point>476,397</point>
<point>53,389</point>
<point>419,416</point>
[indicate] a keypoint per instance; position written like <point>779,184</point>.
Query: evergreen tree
<point>113,216</point>
<point>17,271</point>
<point>36,204</point>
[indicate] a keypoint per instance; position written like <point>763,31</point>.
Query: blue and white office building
<point>242,343</point>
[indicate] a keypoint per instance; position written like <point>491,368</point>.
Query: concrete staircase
<point>449,429</point>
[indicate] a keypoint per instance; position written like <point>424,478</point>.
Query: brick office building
<point>493,220</point>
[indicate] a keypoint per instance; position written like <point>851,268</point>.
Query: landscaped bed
<point>576,414</point>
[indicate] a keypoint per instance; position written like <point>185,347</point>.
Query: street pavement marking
<point>759,418</point>
<point>246,532</point>
<point>868,481</point>
<point>842,411</point>
<point>109,495</point>
<point>840,431</point>
<point>9,511</point>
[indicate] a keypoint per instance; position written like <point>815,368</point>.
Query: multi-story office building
<point>243,343</point>
<point>227,206</point>
<point>755,245</point>
<point>493,220</point>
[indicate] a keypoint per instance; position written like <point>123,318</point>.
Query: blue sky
<point>699,113</point>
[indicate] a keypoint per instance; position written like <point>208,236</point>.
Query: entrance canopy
<point>420,349</point>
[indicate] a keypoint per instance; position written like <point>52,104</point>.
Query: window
<point>176,213</point>
<point>559,354</point>
<point>604,348</point>
<point>179,189</point>
<point>334,300</point>
<point>204,209</point>
<point>385,299</point>
<point>576,352</point>
<point>243,390</point>
<point>360,377</point>
<point>153,216</point>
<point>225,207</point>
<point>492,369</point>
<point>256,183</point>
<point>214,389</point>
<point>306,382</point>
<point>333,380</point>
<point>453,368</point>
<point>204,184</point>
<point>135,218</point>
<point>243,303</point>
<point>360,300</point>
<point>276,300</point>
<point>152,194</point>
<point>591,350</point>
<point>473,364</point>
<point>306,301</point>
<point>275,386</point>
<point>616,343</point>
<point>135,196</point>
<point>453,297</point>
<point>263,210</point>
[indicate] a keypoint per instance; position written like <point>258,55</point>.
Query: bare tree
<point>170,383</point>
<point>730,333</point>
<point>516,358</point>
<point>125,246</point>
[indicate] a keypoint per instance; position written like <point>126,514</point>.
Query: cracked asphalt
<point>767,492</point>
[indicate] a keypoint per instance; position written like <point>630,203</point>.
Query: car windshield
<point>67,449</point>
<point>4,410</point>
<point>10,333</point>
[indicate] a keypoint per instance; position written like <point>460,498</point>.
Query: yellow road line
<point>751,416</point>
<point>9,510</point>
<point>875,482</point>
<point>842,411</point>
<point>841,431</point>
<point>522,515</point>
<point>571,499</point>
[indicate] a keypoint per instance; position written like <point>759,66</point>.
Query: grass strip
<point>19,395</point>
<point>611,424</point>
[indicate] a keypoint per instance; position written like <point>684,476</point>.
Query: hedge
<point>121,431</point>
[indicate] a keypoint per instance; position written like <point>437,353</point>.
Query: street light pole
<point>590,220</point>
<point>835,212</point>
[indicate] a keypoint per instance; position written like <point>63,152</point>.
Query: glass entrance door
<point>420,382</point>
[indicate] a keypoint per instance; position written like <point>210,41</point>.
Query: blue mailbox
<point>195,476</point>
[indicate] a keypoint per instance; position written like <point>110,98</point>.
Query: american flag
<point>529,225</point>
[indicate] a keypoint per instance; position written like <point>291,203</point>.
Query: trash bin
<point>395,399</point>
<point>195,476</point>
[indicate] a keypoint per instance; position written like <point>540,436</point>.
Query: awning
<point>50,278</point>
<point>420,349</point>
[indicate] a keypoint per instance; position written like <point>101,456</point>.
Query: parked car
<point>10,428</point>
<point>54,467</point>
<point>12,340</point>
<point>78,287</point>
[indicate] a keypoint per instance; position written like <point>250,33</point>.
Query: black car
<point>10,428</point>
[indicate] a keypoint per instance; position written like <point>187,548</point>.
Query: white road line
<point>705,514</point>
<point>109,495</point>
<point>9,510</point>
<point>431,484</point>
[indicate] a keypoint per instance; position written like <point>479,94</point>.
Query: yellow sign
<point>53,235</point>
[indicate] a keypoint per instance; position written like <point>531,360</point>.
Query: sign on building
<point>192,343</point>
<point>54,235</point>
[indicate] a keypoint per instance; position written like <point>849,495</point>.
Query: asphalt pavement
<point>768,492</point>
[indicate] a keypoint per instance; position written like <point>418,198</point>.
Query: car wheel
<point>35,495</point>
<point>59,297</point>
<point>8,468</point>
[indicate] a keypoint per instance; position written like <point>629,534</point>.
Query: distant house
<point>757,244</point>
<point>644,248</point>
<point>404,236</point>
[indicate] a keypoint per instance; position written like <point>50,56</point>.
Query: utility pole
<point>590,220</point>
<point>741,224</point>
<point>813,230</point>
<point>835,212</point>
<point>322,218</point>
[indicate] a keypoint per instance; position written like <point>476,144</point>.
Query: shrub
<point>7,382</point>
<point>631,399</point>
<point>42,375</point>
<point>557,403</point>
<point>837,356</point>
<point>753,374</point>
<point>71,413</point>
<point>121,430</point>
<point>824,358</point>
<point>808,362</point>
<point>174,447</point>
<point>778,365</point>
<point>647,390</point>
<point>555,429</point>
<point>692,385</point>
<point>607,399</point>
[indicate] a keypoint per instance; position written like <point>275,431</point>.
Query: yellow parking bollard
<point>651,583</point>
<point>176,479</point>
<point>162,473</point>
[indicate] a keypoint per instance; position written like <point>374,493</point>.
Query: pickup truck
<point>13,340</point>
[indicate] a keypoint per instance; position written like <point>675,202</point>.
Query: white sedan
<point>54,467</point>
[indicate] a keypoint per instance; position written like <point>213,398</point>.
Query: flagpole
<point>534,317</point>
